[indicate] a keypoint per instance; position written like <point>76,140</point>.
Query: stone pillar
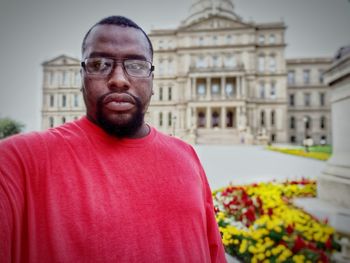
<point>238,112</point>
<point>238,88</point>
<point>208,95</point>
<point>244,92</point>
<point>208,117</point>
<point>223,117</point>
<point>334,183</point>
<point>223,84</point>
<point>194,88</point>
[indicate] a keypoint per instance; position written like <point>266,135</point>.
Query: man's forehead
<point>119,37</point>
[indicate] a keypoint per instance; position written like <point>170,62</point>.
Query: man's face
<point>117,102</point>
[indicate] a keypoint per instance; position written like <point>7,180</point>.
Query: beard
<point>122,127</point>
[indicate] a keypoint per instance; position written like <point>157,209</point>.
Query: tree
<point>9,127</point>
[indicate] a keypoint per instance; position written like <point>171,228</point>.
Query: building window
<point>65,78</point>
<point>160,93</point>
<point>77,79</point>
<point>273,116</point>
<point>215,119</point>
<point>292,139</point>
<point>170,95</point>
<point>291,100</point>
<point>262,118</point>
<point>320,75</point>
<point>170,119</point>
<point>161,44</point>
<point>261,39</point>
<point>323,122</point>
<point>307,121</point>
<point>215,40</point>
<point>64,100</point>
<point>52,78</point>
<point>161,119</point>
<point>229,39</point>
<point>230,61</point>
<point>306,76</point>
<point>229,119</point>
<point>52,100</point>
<point>273,90</point>
<point>262,90</point>
<point>229,89</point>
<point>216,62</point>
<point>170,66</point>
<point>292,123</point>
<point>201,89</point>
<point>307,97</point>
<point>161,66</point>
<point>273,137</point>
<point>76,100</point>
<point>201,119</point>
<point>272,63</point>
<point>272,39</point>
<point>51,122</point>
<point>323,140</point>
<point>261,63</point>
<point>63,120</point>
<point>200,63</point>
<point>291,77</point>
<point>215,89</point>
<point>322,99</point>
<point>201,41</point>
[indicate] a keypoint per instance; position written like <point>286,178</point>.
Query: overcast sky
<point>33,31</point>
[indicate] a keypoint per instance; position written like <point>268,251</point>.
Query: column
<point>244,92</point>
<point>189,118</point>
<point>194,88</point>
<point>238,111</point>
<point>223,84</point>
<point>238,88</point>
<point>223,117</point>
<point>208,88</point>
<point>208,117</point>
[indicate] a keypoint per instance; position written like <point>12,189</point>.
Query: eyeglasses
<point>104,66</point>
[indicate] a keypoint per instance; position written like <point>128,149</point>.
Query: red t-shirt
<point>76,194</point>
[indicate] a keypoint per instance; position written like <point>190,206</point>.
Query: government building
<point>218,80</point>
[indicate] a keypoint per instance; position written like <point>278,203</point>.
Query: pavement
<point>244,164</point>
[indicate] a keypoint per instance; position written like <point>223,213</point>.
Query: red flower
<point>290,229</point>
<point>298,245</point>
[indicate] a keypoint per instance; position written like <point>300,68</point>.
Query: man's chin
<point>121,126</point>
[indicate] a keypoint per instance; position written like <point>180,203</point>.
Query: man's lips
<point>119,102</point>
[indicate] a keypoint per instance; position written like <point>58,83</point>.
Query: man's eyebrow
<point>109,55</point>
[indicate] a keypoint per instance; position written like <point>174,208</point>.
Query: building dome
<point>205,8</point>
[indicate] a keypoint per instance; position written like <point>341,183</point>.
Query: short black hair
<point>117,21</point>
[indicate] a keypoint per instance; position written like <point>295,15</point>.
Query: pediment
<point>62,60</point>
<point>215,22</point>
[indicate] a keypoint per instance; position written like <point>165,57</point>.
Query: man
<point>107,187</point>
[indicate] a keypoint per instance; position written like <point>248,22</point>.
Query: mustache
<point>101,98</point>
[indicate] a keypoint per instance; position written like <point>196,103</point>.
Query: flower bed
<point>258,223</point>
<point>319,155</point>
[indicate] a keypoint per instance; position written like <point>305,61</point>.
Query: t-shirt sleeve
<point>16,162</point>
<point>217,252</point>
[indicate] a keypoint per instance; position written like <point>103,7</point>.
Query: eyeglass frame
<point>115,63</point>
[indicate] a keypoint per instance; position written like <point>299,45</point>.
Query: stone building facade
<point>218,79</point>
<point>309,114</point>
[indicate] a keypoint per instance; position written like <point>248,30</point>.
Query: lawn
<point>316,152</point>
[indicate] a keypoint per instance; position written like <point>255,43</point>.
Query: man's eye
<point>99,65</point>
<point>136,66</point>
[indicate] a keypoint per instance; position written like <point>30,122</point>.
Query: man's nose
<point>118,78</point>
